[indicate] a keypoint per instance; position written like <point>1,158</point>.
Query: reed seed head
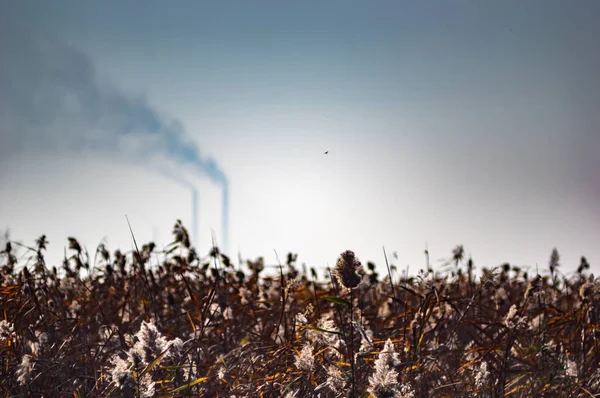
<point>345,270</point>
<point>587,290</point>
<point>534,286</point>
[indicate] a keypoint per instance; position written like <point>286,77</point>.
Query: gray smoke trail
<point>51,99</point>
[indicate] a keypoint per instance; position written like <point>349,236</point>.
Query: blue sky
<point>446,123</point>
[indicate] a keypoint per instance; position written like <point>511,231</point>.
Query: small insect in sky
<point>326,152</point>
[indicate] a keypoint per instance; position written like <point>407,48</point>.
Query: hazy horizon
<point>446,123</point>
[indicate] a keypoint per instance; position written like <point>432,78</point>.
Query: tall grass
<point>172,323</point>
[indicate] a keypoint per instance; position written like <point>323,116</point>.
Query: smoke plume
<point>51,99</point>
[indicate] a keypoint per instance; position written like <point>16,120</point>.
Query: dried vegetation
<point>171,323</point>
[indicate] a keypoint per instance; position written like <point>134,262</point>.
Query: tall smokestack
<point>225,216</point>
<point>195,237</point>
<point>178,174</point>
<point>209,167</point>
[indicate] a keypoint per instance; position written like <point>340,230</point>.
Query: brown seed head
<point>345,270</point>
<point>587,290</point>
<point>534,286</point>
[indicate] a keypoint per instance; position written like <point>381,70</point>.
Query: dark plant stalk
<point>389,272</point>
<point>337,309</point>
<point>282,287</point>
<point>138,256</point>
<point>352,342</point>
<point>314,286</point>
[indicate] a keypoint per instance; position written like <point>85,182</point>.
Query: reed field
<point>173,323</point>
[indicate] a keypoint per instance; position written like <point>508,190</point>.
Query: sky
<point>445,122</point>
